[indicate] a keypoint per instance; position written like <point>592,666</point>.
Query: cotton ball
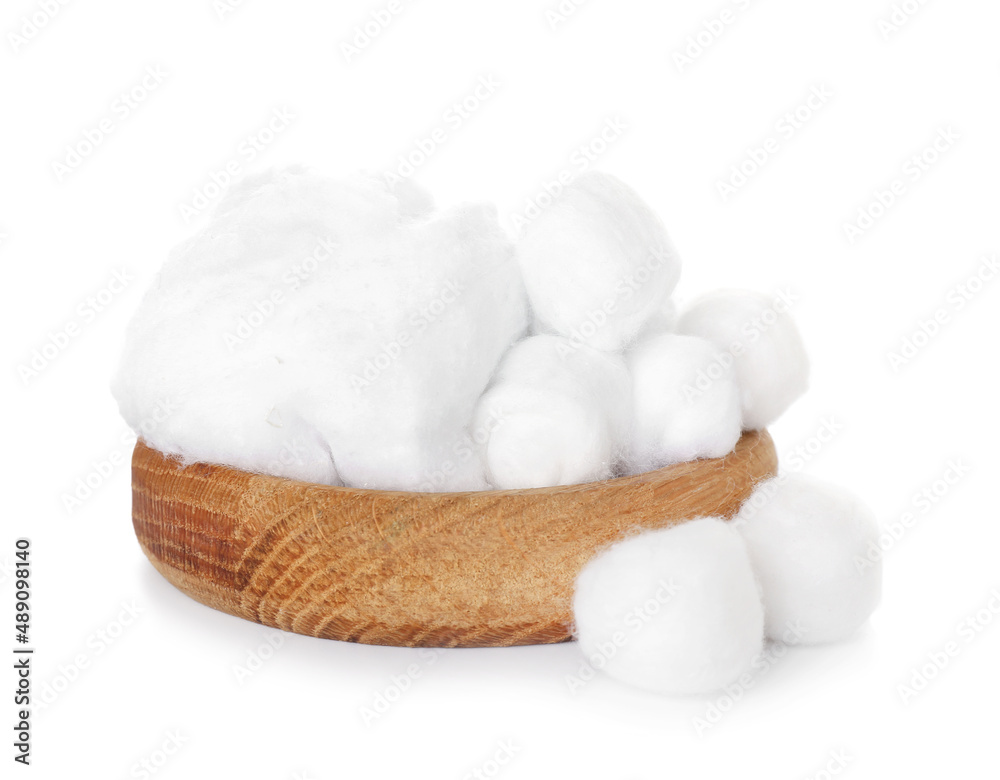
<point>758,332</point>
<point>597,263</point>
<point>809,544</point>
<point>686,403</point>
<point>556,414</point>
<point>674,610</point>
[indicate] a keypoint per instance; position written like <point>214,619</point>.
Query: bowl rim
<point>748,441</point>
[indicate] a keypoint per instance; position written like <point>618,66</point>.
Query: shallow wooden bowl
<point>418,569</point>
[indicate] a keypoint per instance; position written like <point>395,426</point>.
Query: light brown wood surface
<point>418,569</point>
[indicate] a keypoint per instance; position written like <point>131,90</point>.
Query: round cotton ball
<point>761,337</point>
<point>809,543</point>
<point>556,414</point>
<point>675,610</point>
<point>685,400</point>
<point>597,263</point>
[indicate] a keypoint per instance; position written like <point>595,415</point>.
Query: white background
<point>173,669</point>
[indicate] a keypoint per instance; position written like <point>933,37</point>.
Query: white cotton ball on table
<point>674,610</point>
<point>685,401</point>
<point>316,325</point>
<point>557,413</point>
<point>597,263</point>
<point>759,334</point>
<point>809,543</point>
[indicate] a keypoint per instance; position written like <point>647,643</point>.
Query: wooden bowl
<point>483,569</point>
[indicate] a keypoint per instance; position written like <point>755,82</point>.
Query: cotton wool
<point>685,401</point>
<point>597,263</point>
<point>760,337</point>
<point>329,331</point>
<point>809,542</point>
<point>662,320</point>
<point>556,414</point>
<point>674,610</point>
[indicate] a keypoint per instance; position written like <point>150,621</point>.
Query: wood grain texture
<point>484,569</point>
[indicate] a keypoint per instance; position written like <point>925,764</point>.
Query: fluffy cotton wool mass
<point>686,402</point>
<point>809,543</point>
<point>597,263</point>
<point>760,337</point>
<point>327,330</point>
<point>675,610</point>
<point>557,414</point>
